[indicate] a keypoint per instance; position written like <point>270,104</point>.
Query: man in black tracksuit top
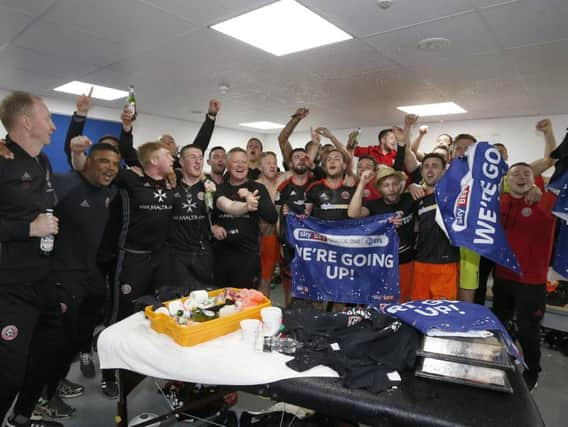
<point>140,217</point>
<point>30,325</point>
<point>190,258</point>
<point>82,208</point>
<point>237,253</point>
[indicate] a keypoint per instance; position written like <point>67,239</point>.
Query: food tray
<point>198,333</point>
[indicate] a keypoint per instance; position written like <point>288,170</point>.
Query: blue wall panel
<point>94,129</point>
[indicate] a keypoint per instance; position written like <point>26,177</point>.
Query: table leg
<point>127,381</point>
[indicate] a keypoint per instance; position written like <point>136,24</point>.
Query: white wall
<point>518,134</point>
<point>149,128</point>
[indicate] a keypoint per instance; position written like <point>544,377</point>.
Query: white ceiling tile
<point>34,82</point>
<point>11,23</point>
<point>491,3</point>
<point>29,7</point>
<point>165,48</point>
<point>129,23</point>
<point>33,61</point>
<point>528,21</point>
<point>465,33</point>
<point>207,13</point>
<point>65,42</point>
<point>534,58</point>
<point>361,18</point>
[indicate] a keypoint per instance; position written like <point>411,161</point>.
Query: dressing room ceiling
<point>505,58</point>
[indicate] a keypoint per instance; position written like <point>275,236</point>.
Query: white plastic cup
<point>271,320</point>
<point>249,331</point>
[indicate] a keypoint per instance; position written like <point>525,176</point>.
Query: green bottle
<point>132,100</point>
<point>199,315</point>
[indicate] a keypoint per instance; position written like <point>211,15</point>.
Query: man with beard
<point>237,252</point>
<point>291,198</point>
<point>218,163</point>
<point>329,198</point>
<point>269,245</point>
<point>437,261</point>
<point>390,183</point>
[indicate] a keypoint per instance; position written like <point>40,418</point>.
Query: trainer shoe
<point>55,408</point>
<point>68,390</point>
<point>86,364</point>
<point>20,421</point>
<point>531,379</point>
<point>109,389</point>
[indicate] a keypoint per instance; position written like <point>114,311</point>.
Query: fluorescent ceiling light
<point>263,125</point>
<point>439,109</point>
<point>281,28</point>
<point>99,92</point>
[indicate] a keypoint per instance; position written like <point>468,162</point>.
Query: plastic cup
<point>271,320</point>
<point>249,331</point>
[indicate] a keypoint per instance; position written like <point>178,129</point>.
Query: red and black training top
<point>329,202</point>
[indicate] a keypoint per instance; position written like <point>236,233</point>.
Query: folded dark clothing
<point>361,345</point>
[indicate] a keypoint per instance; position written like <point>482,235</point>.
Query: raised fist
<point>79,144</point>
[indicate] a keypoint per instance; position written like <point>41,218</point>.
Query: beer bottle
<point>132,101</point>
<point>47,243</point>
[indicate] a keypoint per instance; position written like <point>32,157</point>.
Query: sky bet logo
<point>462,206</point>
<point>303,234</point>
<point>345,241</point>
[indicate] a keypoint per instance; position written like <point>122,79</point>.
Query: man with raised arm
<point>240,204</point>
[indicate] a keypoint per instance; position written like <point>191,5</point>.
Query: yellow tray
<point>201,332</point>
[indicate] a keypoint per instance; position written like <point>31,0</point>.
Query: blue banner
<point>560,187</point>
<point>468,204</point>
<point>350,261</point>
<point>438,317</point>
<point>560,256</point>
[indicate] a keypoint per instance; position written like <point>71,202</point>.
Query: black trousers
<point>188,270</point>
<point>528,304</point>
<point>136,275</point>
<point>237,269</point>
<point>31,339</point>
<point>486,266</point>
<point>81,304</point>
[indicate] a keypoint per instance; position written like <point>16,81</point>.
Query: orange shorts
<point>434,281</point>
<point>269,255</point>
<point>406,272</point>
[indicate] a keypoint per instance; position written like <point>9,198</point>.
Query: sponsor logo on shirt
<point>189,204</point>
<point>160,195</point>
<point>9,333</point>
<point>85,204</point>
